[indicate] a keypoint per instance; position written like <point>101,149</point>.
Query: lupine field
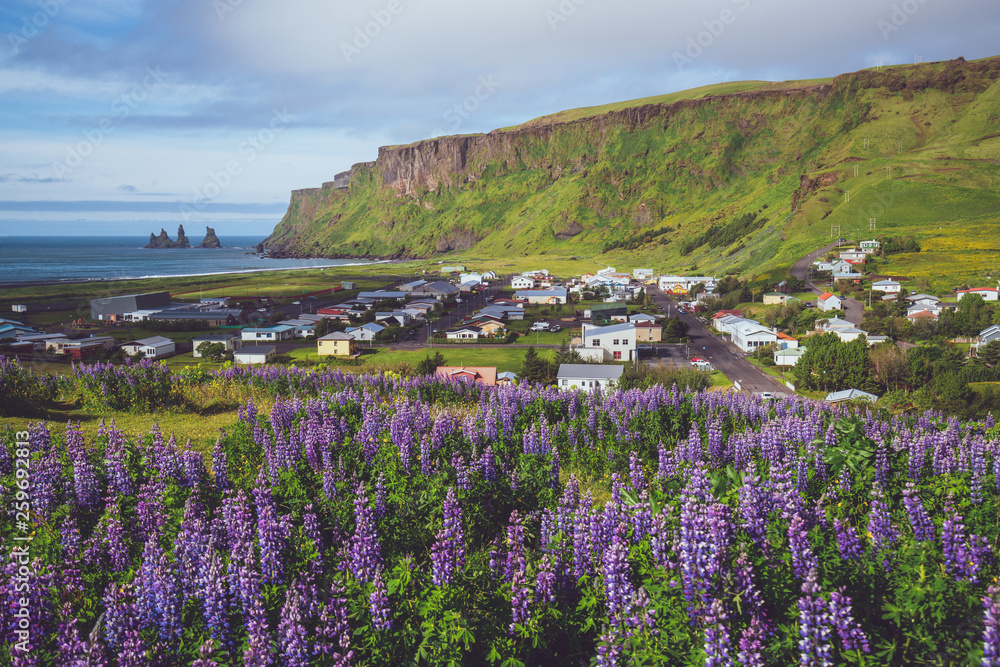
<point>380,520</point>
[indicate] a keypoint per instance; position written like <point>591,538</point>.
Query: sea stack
<point>210,240</point>
<point>163,241</point>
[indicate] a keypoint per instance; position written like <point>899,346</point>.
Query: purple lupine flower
<point>220,466</point>
<point>610,648</point>
<point>803,558</point>
<point>852,637</point>
<point>814,626</point>
<point>378,603</point>
<point>520,598</point>
<point>880,527</point>
<point>205,654</point>
<point>272,536</point>
<point>448,552</point>
<point>259,651</point>
<point>618,588</point>
<point>964,555</point>
<point>366,553</point>
<point>717,644</point>
<point>751,653</point>
<point>545,580</point>
<point>214,595</point>
<point>847,540</point>
<point>991,629</point>
<point>293,646</point>
<point>333,633</point>
<point>923,529</point>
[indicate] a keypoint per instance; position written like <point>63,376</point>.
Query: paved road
<point>854,310</point>
<point>723,355</point>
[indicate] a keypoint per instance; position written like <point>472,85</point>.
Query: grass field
<point>504,358</point>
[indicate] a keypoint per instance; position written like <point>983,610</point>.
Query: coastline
<point>99,281</point>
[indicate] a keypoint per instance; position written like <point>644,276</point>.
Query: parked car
<point>554,328</point>
<point>296,303</point>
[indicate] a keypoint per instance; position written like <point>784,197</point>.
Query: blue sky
<point>212,111</point>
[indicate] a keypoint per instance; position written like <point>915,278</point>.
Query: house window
<point>618,355</point>
<point>565,382</point>
<point>615,341</point>
<point>595,343</point>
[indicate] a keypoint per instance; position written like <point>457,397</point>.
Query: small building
<point>923,300</point>
<point>988,293</point>
<point>587,377</point>
<point>453,269</point>
<point>606,312</point>
<point>828,301</point>
<point>347,284</point>
<point>255,354</point>
<point>774,298</point>
<point>439,290</point>
<point>887,286</point>
<point>336,344</point>
<point>548,296</point>
<point>648,332</point>
<point>987,336</point>
<point>410,286</point>
<point>850,395</point>
<point>463,333</point>
<point>847,334</point>
<point>231,342</point>
<point>786,342</point>
<point>485,375</point>
<point>641,317</point>
<point>616,342</point>
<point>506,378</point>
<point>268,334</point>
<point>19,308</point>
<point>154,347</point>
<point>642,274</point>
<point>869,246</point>
<point>922,316</point>
<point>113,307</point>
<point>487,326</point>
<point>366,332</point>
<point>522,283</point>
<point>748,335</point>
<point>301,328</point>
<point>788,356</point>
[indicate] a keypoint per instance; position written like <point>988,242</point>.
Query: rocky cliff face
<point>210,240</point>
<point>163,240</point>
<point>556,185</point>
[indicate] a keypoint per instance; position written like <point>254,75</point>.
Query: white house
<point>254,354</point>
<point>923,300</point>
<point>850,395</point>
<point>847,334</point>
<point>828,301</point>
<point>463,333</point>
<point>988,293</point>
<point>366,332</point>
<point>789,356</point>
<point>554,295</point>
<point>269,334</point>
<point>641,317</point>
<point>988,335</point>
<point>836,266</point>
<point>587,377</point>
<point>154,347</point>
<point>231,342</point>
<point>642,274</point>
<point>887,286</point>
<point>522,282</point>
<point>616,342</point>
<point>748,335</point>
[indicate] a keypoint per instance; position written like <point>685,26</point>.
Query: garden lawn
<point>504,358</point>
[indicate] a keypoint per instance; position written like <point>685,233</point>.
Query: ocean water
<point>51,258</point>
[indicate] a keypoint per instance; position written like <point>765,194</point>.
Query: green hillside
<point>644,182</point>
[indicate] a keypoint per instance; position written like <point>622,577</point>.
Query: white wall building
<point>616,342</point>
<point>587,377</point>
<point>154,347</point>
<point>522,282</point>
<point>748,335</point>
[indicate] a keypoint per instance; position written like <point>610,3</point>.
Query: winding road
<point>854,310</point>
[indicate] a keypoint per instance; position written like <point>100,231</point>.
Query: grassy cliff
<point>740,177</point>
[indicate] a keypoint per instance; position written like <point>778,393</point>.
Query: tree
<point>989,355</point>
<point>428,365</point>
<point>674,329</point>
<point>888,364</point>
<point>534,368</point>
<point>833,365</point>
<point>565,355</point>
<point>212,351</point>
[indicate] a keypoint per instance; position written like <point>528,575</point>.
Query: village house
<point>788,356</point>
<point>522,282</point>
<point>154,347</point>
<point>887,286</point>
<point>616,342</point>
<point>336,344</point>
<point>463,333</point>
<point>748,335</point>
<point>587,377</point>
<point>828,301</point>
<point>549,296</point>
<point>648,332</point>
<point>922,316</point>
<point>869,246</point>
<point>850,395</point>
<point>988,293</point>
<point>255,354</point>
<point>987,336</point>
<point>366,332</point>
<point>268,334</point>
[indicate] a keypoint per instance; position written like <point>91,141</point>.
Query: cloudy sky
<point>130,115</point>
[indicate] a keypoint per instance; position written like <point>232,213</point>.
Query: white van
<point>540,326</point>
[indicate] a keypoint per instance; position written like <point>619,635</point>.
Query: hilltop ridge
<point>650,175</point>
